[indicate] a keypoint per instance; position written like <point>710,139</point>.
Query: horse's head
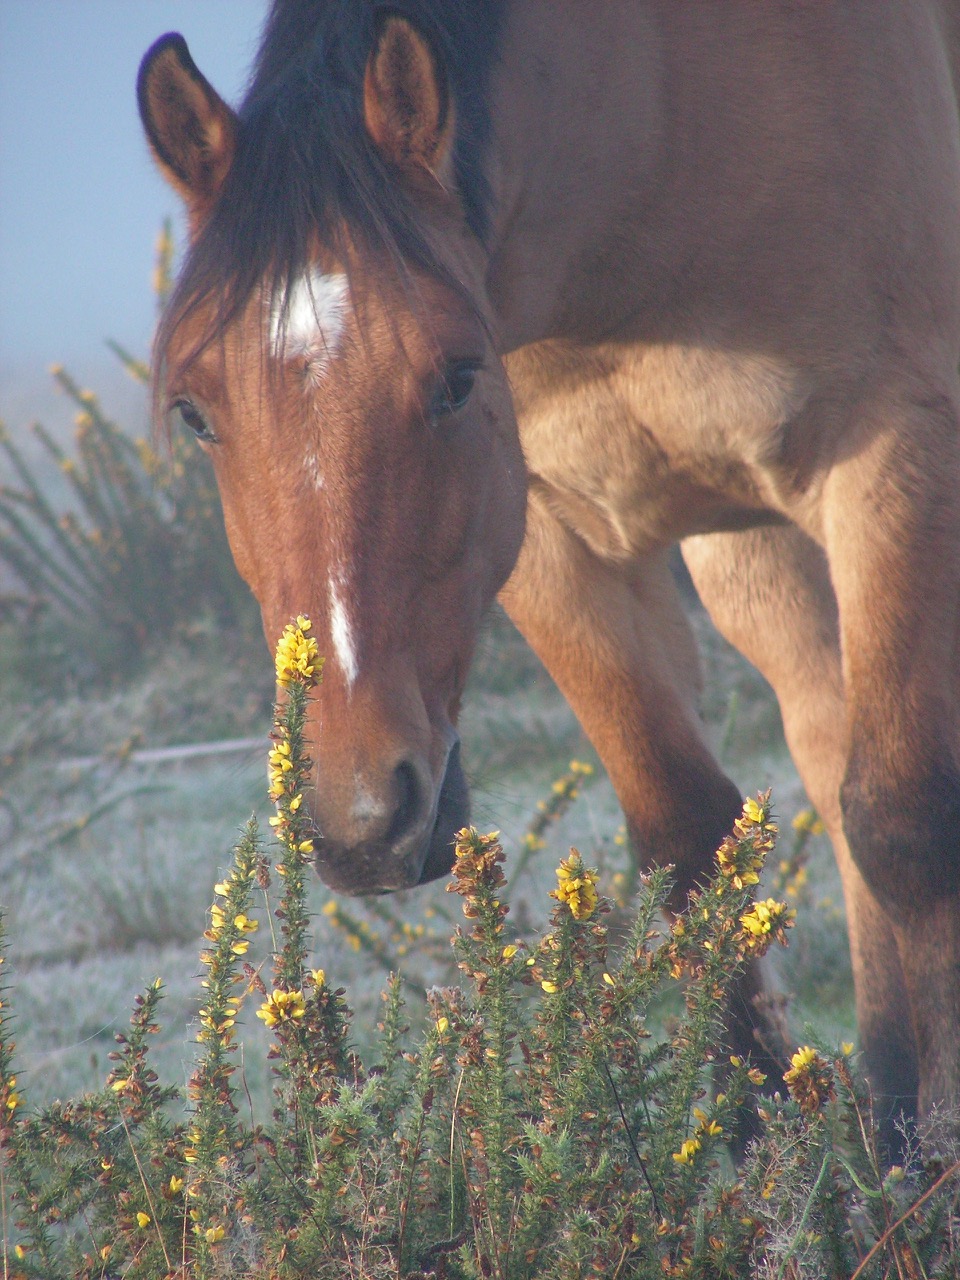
<point>331,351</point>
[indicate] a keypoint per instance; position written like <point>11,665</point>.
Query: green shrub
<point>536,1128</point>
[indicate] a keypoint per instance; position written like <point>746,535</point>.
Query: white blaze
<point>310,319</point>
<point>341,632</point>
<point>311,466</point>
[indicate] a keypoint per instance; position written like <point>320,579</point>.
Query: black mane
<point>305,166</point>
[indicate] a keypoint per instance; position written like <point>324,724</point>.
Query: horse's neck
<point>571,142</point>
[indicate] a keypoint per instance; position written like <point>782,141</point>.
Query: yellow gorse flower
<point>576,887</point>
<point>810,1080</point>
<point>298,659</point>
<point>687,1151</point>
<point>764,923</point>
<point>282,1006</point>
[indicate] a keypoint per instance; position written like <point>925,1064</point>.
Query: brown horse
<point>511,296</point>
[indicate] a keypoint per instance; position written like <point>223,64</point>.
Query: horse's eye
<point>185,413</point>
<point>453,391</point>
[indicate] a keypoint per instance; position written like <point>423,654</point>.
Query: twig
<point>944,1177</point>
<point>633,1146</point>
<point>146,1185</point>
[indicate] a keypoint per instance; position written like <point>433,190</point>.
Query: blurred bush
<point>140,554</point>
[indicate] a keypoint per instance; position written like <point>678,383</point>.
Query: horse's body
<point>716,247</point>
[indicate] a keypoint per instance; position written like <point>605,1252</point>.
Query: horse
<point>508,299</point>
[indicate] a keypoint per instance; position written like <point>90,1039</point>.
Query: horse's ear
<point>191,130</point>
<point>407,104</point>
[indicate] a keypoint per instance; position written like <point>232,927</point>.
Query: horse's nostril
<point>408,803</point>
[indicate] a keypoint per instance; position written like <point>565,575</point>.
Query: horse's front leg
<point>615,639</point>
<point>768,591</point>
<point>891,520</point>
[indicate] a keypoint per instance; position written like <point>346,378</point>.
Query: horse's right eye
<point>185,413</point>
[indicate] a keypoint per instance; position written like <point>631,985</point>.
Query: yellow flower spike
<point>319,977</point>
<point>576,887</point>
<point>297,657</point>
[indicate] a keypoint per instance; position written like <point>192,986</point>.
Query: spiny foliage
<point>535,1129</point>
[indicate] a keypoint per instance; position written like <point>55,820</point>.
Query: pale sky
<point>80,201</point>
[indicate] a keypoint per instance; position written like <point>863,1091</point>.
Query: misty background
<point>80,200</point>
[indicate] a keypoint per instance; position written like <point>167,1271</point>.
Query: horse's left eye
<point>454,390</point>
<point>185,413</point>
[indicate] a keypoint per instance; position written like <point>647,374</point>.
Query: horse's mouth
<point>453,812</point>
<point>370,869</point>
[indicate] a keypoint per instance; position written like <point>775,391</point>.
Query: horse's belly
<point>644,446</point>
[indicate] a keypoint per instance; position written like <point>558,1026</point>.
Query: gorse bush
<point>534,1128</point>
<point>143,554</point>
<point>140,554</point>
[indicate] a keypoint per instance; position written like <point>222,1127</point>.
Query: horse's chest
<point>642,446</point>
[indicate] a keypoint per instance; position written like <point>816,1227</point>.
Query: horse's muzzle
<point>410,845</point>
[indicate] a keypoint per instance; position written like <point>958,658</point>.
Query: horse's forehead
<point>307,320</point>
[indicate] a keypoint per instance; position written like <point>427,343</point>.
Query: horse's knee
<point>904,835</point>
